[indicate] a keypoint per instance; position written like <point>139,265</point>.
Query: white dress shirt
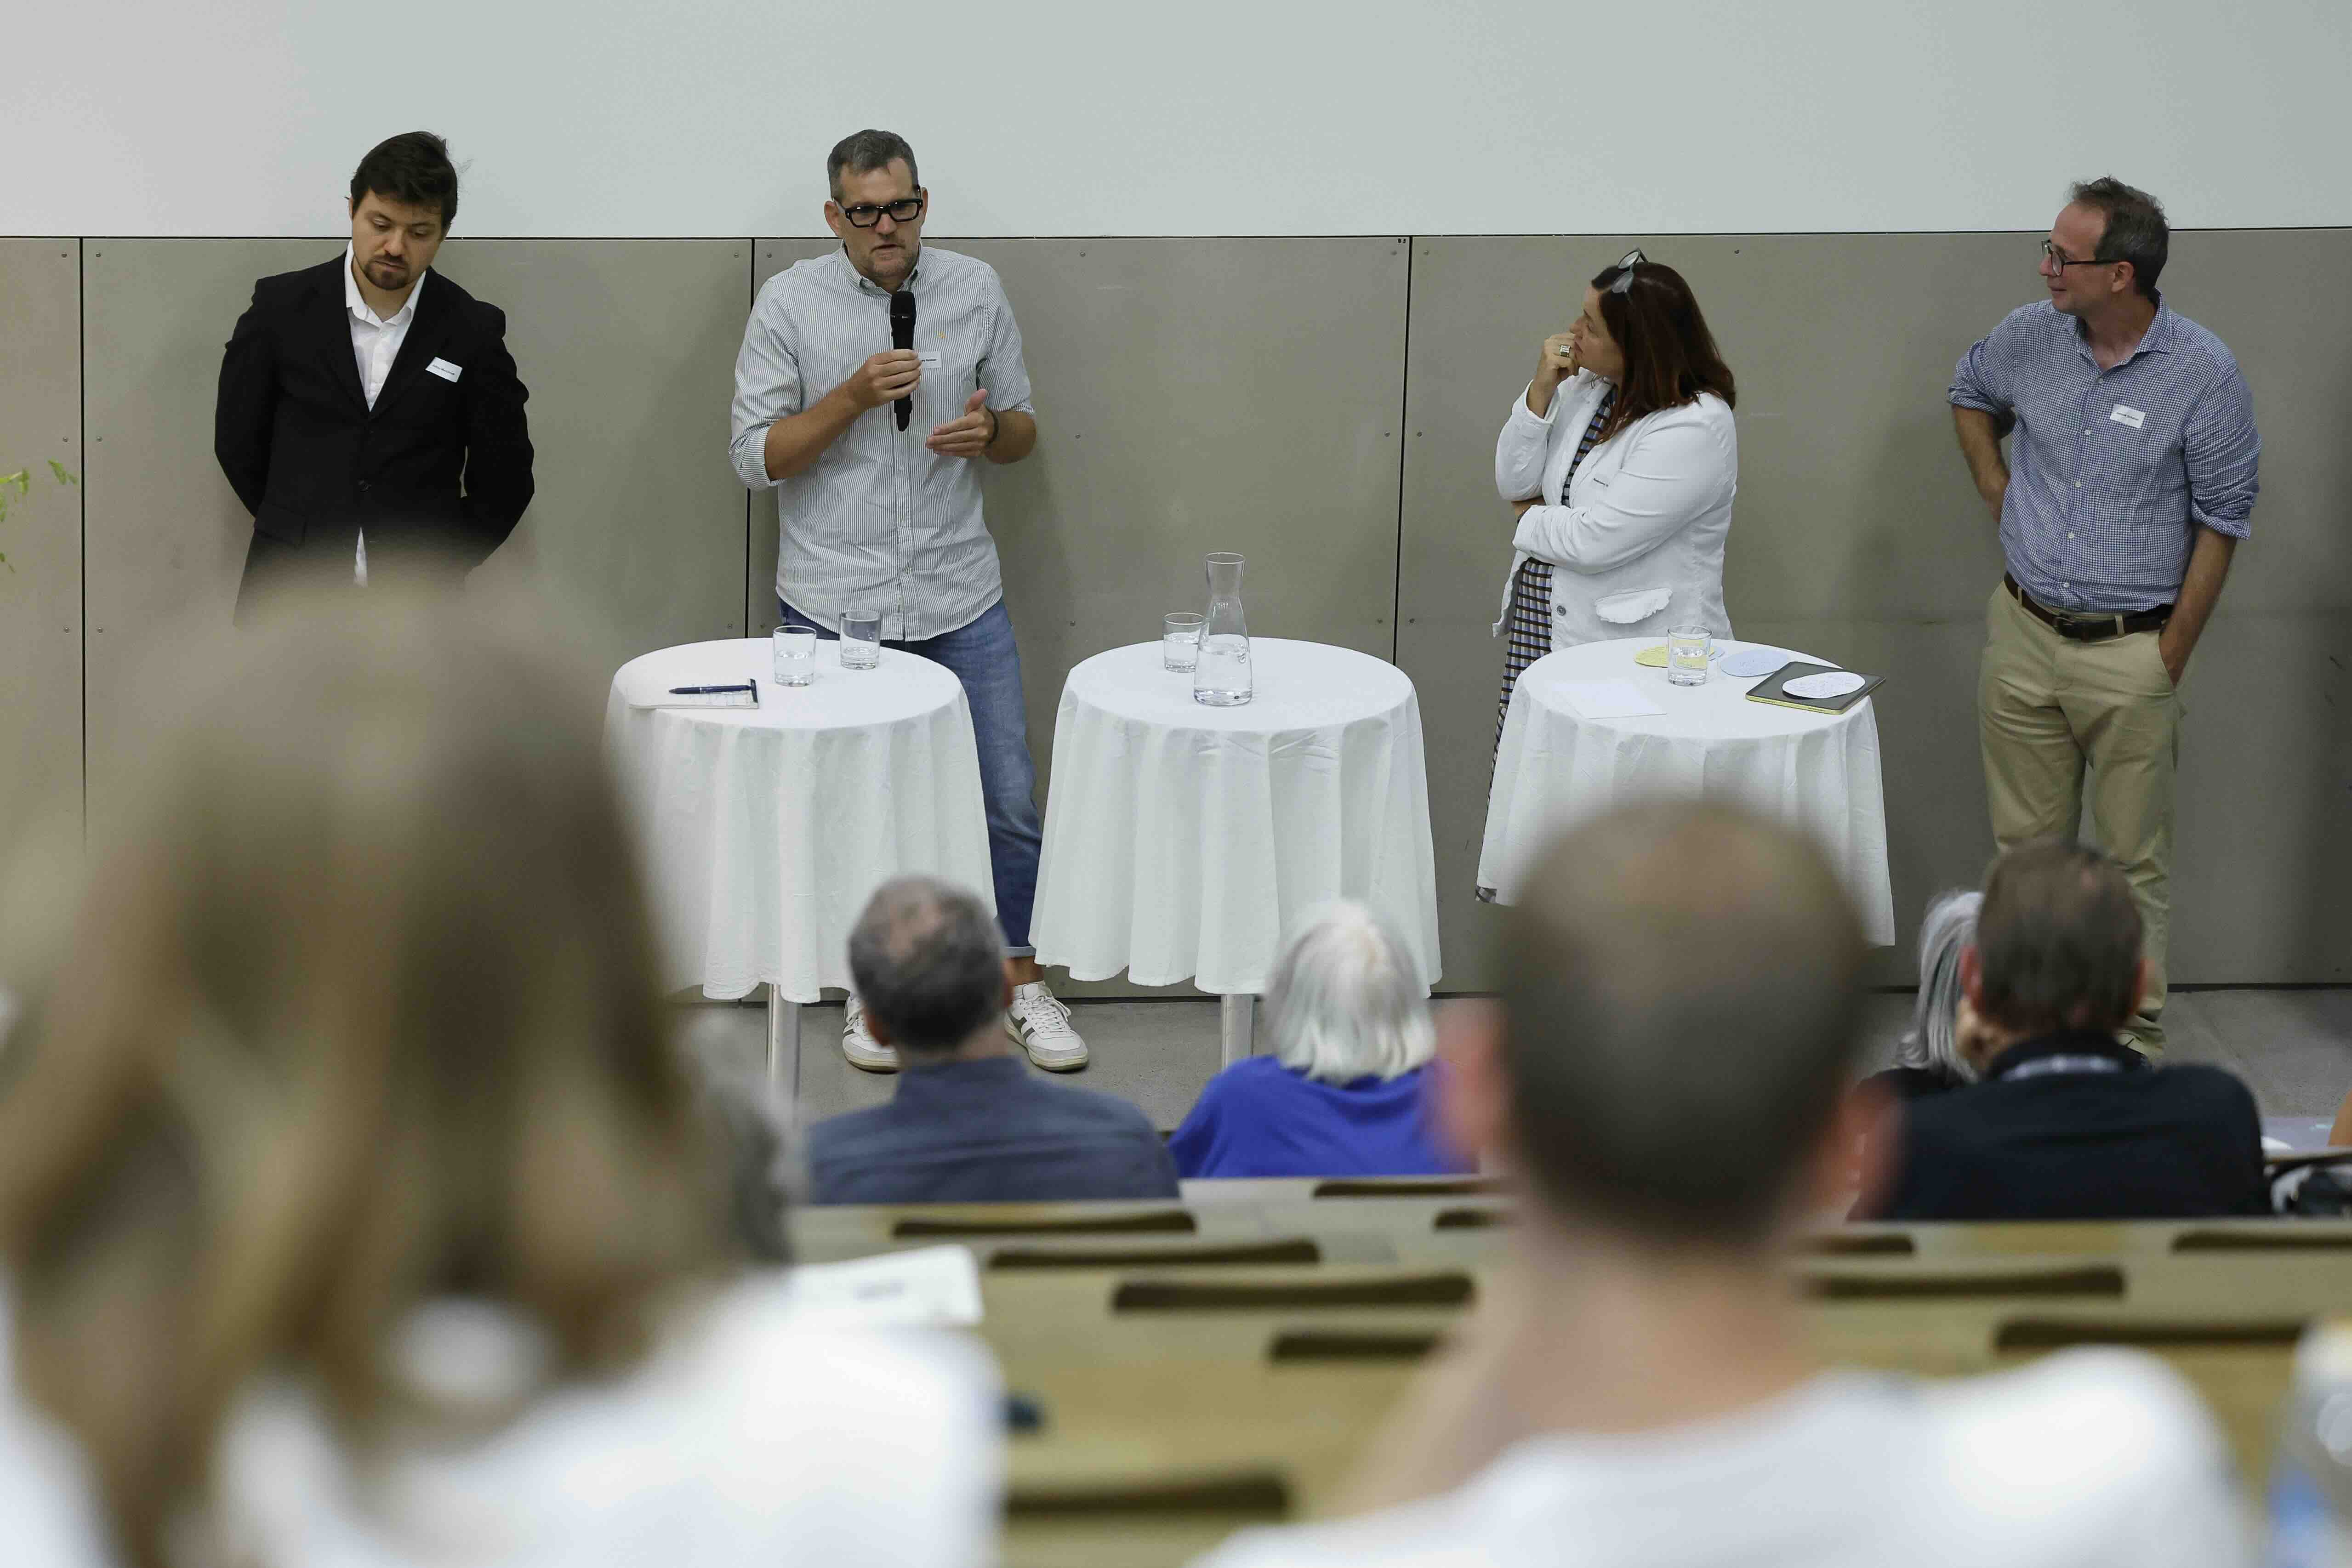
<point>1636,535</point>
<point>880,522</point>
<point>375,344</point>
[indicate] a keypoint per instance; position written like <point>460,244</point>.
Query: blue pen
<point>708,691</point>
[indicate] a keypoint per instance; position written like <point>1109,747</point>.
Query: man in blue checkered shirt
<point>2131,480</point>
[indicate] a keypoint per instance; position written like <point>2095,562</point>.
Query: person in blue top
<point>1345,1092</point>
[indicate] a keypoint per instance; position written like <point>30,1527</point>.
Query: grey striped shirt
<point>2113,471</point>
<point>879,522</point>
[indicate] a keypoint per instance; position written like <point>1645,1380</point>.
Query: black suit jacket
<point>437,473</point>
<point>2144,1142</point>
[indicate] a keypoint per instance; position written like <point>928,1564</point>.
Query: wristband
<point>994,425</point>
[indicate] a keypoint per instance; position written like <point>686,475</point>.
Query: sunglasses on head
<point>1624,282</point>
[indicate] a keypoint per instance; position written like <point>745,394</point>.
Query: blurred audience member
<point>356,1206</point>
<point>2066,1122</point>
<point>1345,1091</point>
<point>1927,1059</point>
<point>967,1121</point>
<point>1679,1015</point>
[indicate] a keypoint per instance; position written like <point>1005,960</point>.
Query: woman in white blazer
<point>1621,461</point>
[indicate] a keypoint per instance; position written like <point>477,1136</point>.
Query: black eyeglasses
<point>1624,282</point>
<point>866,215</point>
<point>2052,253</point>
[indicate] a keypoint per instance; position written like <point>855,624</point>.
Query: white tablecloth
<point>766,830</point>
<point>1815,771</point>
<point>1183,840</point>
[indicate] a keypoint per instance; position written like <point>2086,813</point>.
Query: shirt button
<point>2070,533</point>
<point>2078,484</point>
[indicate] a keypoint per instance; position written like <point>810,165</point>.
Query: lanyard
<point>2042,1067</point>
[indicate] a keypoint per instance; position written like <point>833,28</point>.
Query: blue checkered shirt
<point>2112,471</point>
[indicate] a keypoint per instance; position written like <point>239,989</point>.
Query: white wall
<point>1201,117</point>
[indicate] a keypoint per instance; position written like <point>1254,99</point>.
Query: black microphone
<point>902,336</point>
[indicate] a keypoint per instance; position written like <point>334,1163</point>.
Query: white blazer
<point>1636,543</point>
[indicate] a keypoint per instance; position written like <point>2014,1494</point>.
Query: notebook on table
<point>738,694</point>
<point>1773,688</point>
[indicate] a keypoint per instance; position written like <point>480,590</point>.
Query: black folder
<point>1773,688</point>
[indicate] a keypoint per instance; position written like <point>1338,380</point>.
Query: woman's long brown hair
<point>1670,356</point>
<point>364,1012</point>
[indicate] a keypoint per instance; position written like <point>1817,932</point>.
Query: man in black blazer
<point>369,417</point>
<point>2065,1122</point>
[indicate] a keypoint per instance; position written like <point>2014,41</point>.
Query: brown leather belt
<point>2088,628</point>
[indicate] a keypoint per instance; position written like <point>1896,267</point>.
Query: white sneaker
<point>1041,1022</point>
<point>857,1043</point>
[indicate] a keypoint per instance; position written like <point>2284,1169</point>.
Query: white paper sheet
<point>1607,699</point>
<point>927,1287</point>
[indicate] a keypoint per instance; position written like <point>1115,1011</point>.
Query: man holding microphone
<point>879,511</point>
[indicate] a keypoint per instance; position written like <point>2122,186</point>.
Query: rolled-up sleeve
<point>1520,450</point>
<point>1672,474</point>
<point>1981,379</point>
<point>2223,451</point>
<point>767,389</point>
<point>1003,374</point>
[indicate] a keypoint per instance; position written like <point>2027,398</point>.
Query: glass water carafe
<point>1222,676</point>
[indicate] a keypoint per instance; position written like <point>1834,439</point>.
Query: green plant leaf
<point>64,475</point>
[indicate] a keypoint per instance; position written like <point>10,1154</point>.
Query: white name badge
<point>445,369</point>
<point>930,359</point>
<point>2130,416</point>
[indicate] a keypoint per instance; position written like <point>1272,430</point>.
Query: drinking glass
<point>1688,649</point>
<point>861,639</point>
<point>795,648</point>
<point>1180,642</point>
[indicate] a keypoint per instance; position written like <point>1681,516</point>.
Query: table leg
<point>784,1042</point>
<point>1237,1019</point>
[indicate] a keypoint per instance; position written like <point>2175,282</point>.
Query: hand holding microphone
<point>886,377</point>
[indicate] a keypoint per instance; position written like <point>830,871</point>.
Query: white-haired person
<point>1928,1059</point>
<point>1345,1091</point>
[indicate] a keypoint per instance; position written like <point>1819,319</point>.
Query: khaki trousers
<point>2048,709</point>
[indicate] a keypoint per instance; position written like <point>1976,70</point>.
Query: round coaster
<point>1828,684</point>
<point>1657,657</point>
<point>1753,662</point>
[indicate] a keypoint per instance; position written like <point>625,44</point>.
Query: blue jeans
<point>982,655</point>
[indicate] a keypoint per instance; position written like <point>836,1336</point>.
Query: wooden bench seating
<point>1222,1362</point>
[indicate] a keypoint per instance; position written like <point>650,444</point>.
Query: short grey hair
<point>1344,1001</point>
<point>863,151</point>
<point>1932,1041</point>
<point>928,963</point>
